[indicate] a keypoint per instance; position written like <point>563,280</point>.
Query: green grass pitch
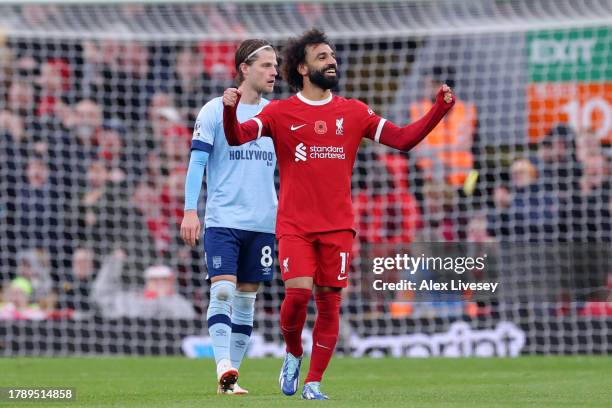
<point>350,382</point>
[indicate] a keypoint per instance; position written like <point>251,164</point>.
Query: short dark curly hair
<point>294,54</point>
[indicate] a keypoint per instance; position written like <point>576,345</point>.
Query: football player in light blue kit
<point>240,212</point>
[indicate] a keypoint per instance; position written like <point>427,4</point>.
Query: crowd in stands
<point>94,142</point>
<point>94,145</point>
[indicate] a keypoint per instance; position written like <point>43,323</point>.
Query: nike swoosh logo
<point>297,127</point>
<point>342,277</point>
<point>325,347</point>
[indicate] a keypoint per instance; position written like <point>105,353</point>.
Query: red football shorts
<point>324,256</point>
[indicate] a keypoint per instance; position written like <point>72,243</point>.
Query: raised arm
<point>236,133</point>
<point>405,138</point>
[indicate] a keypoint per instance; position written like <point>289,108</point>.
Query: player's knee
<point>222,291</point>
<point>299,297</point>
<point>223,295</point>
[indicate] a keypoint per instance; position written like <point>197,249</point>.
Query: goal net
<point>97,105</point>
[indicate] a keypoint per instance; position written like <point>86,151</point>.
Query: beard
<point>323,81</point>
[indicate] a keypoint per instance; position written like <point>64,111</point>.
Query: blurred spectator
<point>86,126</point>
<point>481,244</point>
<point>526,215</point>
<point>16,303</point>
<point>498,219</point>
<point>74,289</point>
<point>176,145</point>
<point>173,198</point>
<point>39,215</point>
<point>531,213</point>
<point>21,121</point>
<point>387,218</point>
<point>386,212</point>
<point>100,59</point>
<point>109,221</point>
<point>54,83</point>
<point>21,99</point>
<point>161,115</point>
<point>590,209</point>
<point>35,266</point>
<point>68,145</point>
<point>147,200</point>
<point>110,50</point>
<point>18,125</point>
<point>157,299</point>
<point>559,173</point>
<point>477,230</point>
<point>129,81</point>
<point>438,223</point>
<point>120,152</point>
<point>101,205</point>
<point>91,79</point>
<point>134,60</point>
<point>191,83</point>
<point>591,228</point>
<point>107,140</point>
<point>167,135</point>
<point>162,208</point>
<point>587,146</point>
<point>556,162</point>
<point>160,99</point>
<point>110,150</point>
<point>25,69</point>
<point>14,145</point>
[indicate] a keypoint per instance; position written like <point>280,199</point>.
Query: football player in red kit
<point>316,136</point>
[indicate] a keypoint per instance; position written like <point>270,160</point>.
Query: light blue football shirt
<point>240,179</point>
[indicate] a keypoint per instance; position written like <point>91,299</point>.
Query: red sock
<point>325,334</point>
<point>293,317</point>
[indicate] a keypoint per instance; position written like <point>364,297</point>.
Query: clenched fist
<point>231,97</point>
<point>445,93</point>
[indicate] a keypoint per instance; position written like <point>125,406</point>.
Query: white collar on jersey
<point>314,103</point>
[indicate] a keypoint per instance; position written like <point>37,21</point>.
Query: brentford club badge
<point>320,127</point>
<point>216,262</point>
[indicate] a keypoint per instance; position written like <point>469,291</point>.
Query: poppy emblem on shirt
<point>320,127</point>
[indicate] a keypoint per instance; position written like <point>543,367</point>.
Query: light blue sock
<point>218,316</point>
<point>243,309</point>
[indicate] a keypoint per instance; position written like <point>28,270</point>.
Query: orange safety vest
<point>450,141</point>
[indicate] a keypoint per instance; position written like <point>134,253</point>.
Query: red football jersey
<point>316,143</point>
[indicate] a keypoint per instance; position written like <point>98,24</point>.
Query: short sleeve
<point>205,126</point>
<point>373,125</point>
